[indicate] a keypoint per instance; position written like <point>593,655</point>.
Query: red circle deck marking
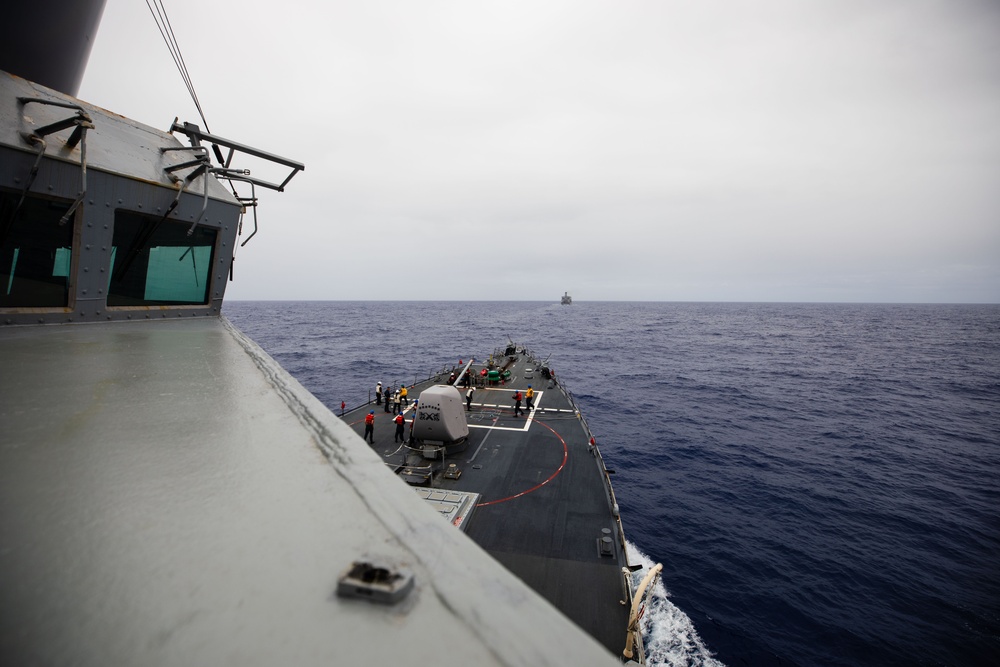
<point>540,484</point>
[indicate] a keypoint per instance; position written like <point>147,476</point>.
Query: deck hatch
<point>455,506</point>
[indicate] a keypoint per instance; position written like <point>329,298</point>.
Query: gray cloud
<point>630,150</point>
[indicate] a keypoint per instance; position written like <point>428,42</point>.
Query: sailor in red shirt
<point>517,403</point>
<point>370,427</point>
<point>399,437</point>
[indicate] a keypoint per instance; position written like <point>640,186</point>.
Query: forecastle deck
<point>544,507</point>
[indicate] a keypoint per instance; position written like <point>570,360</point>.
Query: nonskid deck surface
<point>542,505</point>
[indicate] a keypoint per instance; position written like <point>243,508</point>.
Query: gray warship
<point>500,448</point>
<point>171,495</point>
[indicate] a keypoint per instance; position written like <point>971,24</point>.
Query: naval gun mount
<point>439,423</point>
<point>439,429</point>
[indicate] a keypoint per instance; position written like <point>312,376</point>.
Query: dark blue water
<point>821,482</point>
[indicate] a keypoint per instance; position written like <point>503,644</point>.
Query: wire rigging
<point>167,32</point>
<point>166,29</point>
<point>159,13</point>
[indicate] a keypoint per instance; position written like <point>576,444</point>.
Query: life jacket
<point>398,419</point>
<point>530,393</point>
<point>370,419</point>
<point>517,396</point>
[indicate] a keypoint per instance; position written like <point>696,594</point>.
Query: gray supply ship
<point>170,495</point>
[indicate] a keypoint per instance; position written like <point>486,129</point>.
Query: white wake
<point>670,637</point>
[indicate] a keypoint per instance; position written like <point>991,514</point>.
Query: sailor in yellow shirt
<point>402,396</point>
<point>528,397</point>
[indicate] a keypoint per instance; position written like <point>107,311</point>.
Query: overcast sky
<point>696,150</point>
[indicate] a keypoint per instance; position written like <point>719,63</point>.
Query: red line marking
<point>540,484</point>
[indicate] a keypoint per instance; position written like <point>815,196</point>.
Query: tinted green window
<point>157,263</point>
<point>35,252</point>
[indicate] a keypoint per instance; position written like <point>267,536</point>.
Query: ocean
<point>820,481</point>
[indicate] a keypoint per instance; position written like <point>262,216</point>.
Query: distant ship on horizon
<point>567,300</point>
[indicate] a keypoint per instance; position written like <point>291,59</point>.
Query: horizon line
<point>575,301</point>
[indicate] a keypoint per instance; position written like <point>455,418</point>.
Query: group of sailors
<point>395,400</point>
<point>528,397</point>
<point>398,420</point>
